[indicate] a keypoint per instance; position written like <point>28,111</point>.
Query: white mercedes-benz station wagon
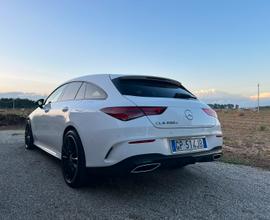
<point>123,124</point>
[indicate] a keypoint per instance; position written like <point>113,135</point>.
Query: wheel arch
<point>73,128</point>
<point>68,128</point>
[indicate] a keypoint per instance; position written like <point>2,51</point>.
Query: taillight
<point>132,112</point>
<point>123,113</point>
<point>153,110</point>
<point>210,112</point>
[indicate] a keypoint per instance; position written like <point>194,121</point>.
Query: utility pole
<point>258,97</point>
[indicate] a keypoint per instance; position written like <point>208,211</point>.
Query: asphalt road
<point>31,187</point>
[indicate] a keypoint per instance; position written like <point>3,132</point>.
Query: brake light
<point>210,112</point>
<point>132,112</point>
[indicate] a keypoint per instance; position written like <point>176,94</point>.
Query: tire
<point>73,160</point>
<point>28,137</point>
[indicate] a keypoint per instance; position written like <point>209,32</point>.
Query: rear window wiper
<point>184,96</point>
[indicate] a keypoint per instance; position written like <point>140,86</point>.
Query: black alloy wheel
<point>28,137</point>
<point>73,160</point>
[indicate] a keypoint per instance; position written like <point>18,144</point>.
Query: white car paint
<point>100,133</point>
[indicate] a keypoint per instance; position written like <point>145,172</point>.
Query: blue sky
<point>207,45</point>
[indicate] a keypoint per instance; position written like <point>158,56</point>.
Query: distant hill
<point>22,95</point>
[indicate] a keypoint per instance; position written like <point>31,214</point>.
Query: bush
<point>241,114</point>
<point>12,119</point>
<point>262,128</point>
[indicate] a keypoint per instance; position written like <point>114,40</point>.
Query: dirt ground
<point>246,136</point>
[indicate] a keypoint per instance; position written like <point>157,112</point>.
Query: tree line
<point>224,106</point>
<point>9,103</point>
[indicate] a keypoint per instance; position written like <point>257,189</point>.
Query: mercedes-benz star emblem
<point>189,115</point>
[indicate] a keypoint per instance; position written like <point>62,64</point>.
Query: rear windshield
<point>152,87</point>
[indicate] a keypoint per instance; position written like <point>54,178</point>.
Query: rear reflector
<point>210,112</point>
<point>141,142</point>
<point>132,112</point>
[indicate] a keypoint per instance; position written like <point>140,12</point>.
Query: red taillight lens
<point>129,113</point>
<point>123,113</point>
<point>210,112</point>
<point>153,110</point>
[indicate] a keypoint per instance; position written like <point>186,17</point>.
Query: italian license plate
<point>187,145</point>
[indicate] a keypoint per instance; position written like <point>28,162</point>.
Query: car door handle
<point>65,109</point>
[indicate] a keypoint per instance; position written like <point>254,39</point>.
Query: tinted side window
<point>81,92</point>
<point>54,97</point>
<point>71,91</point>
<point>94,92</point>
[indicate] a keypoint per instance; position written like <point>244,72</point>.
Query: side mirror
<point>40,103</point>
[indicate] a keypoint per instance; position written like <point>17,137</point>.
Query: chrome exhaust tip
<point>146,168</point>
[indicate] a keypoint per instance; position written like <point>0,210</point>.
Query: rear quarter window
<point>94,92</point>
<point>90,91</point>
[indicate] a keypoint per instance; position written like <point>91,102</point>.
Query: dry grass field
<point>13,118</point>
<point>246,133</point>
<point>246,136</point>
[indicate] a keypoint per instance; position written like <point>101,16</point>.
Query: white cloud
<point>212,96</point>
<point>263,95</point>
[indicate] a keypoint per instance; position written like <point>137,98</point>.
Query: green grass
<point>240,160</point>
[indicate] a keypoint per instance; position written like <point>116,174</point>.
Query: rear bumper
<point>108,142</point>
<point>128,165</point>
